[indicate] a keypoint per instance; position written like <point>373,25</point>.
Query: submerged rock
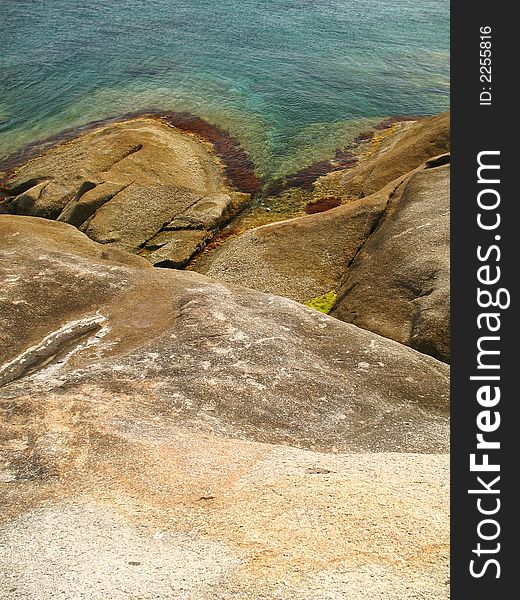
<point>321,205</point>
<point>124,183</point>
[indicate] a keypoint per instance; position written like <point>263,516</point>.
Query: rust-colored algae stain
<point>238,166</point>
<point>322,204</point>
<point>306,177</point>
<point>344,158</point>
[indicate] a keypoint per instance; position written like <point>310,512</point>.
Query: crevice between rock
<point>375,226</point>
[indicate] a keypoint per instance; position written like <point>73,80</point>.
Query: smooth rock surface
<point>386,255</point>
<point>399,283</point>
<point>243,363</point>
<point>300,258</point>
<point>123,183</point>
<point>147,418</point>
<point>148,510</point>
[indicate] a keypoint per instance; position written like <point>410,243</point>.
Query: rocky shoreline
<point>180,237</point>
<point>196,431</point>
<point>139,185</point>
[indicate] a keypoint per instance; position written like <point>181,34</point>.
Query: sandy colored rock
<point>147,419</point>
<point>399,283</point>
<point>204,214</point>
<point>173,249</point>
<point>394,152</point>
<point>137,507</point>
<point>387,256</point>
<point>244,363</point>
<point>307,257</point>
<point>122,183</point>
<point>300,258</point>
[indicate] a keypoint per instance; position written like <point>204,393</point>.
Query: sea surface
<point>291,79</point>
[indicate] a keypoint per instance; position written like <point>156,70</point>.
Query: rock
<point>204,214</point>
<point>173,249</point>
<point>244,363</point>
<point>386,256</point>
<point>122,221</point>
<point>399,283</point>
<point>395,152</point>
<point>146,508</point>
<point>147,419</point>
<point>300,258</point>
<point>123,183</point>
<point>89,198</point>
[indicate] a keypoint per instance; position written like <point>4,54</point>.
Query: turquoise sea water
<point>292,79</point>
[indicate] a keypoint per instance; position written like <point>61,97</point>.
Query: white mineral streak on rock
<point>48,346</point>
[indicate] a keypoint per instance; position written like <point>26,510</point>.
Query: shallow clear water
<point>292,79</point>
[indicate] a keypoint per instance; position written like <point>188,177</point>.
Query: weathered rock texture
<point>300,258</point>
<point>144,509</point>
<point>394,152</point>
<point>386,254</point>
<point>399,283</point>
<point>246,363</point>
<point>125,183</point>
<point>139,412</point>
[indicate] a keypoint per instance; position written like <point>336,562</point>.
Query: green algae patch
<point>322,303</point>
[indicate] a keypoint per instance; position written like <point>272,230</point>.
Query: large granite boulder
<point>139,508</point>
<point>166,435</point>
<point>125,183</point>
<point>395,151</point>
<point>386,256</point>
<point>242,362</point>
<point>399,283</point>
<point>299,258</point>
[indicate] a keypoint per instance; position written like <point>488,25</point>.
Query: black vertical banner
<point>484,250</point>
